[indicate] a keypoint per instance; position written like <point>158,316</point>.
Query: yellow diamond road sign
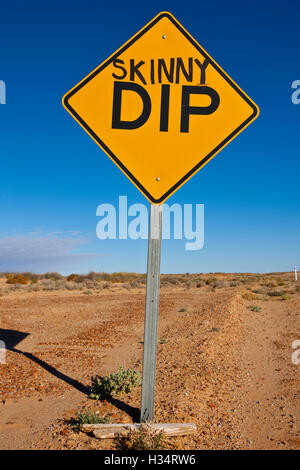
<point>160,107</point>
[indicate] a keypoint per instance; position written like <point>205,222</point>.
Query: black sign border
<point>112,155</point>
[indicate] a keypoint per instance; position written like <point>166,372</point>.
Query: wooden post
<point>295,273</point>
<point>151,313</point>
<point>110,431</point>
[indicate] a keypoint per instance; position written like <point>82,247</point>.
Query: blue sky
<point>53,175</point>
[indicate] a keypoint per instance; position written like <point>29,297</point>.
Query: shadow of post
<point>133,412</point>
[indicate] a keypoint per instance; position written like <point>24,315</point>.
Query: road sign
<point>160,107</point>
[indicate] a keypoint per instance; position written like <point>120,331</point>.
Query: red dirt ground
<point>224,367</point>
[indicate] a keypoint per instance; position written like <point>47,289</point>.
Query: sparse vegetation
<point>163,340</point>
<point>144,438</point>
<point>17,279</point>
<point>276,293</point>
<point>123,381</point>
<point>211,280</point>
<point>98,281</point>
<point>254,308</point>
<point>88,417</point>
<point>54,276</point>
<point>249,296</point>
<point>72,277</point>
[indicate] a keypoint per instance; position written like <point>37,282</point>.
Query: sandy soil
<point>221,365</point>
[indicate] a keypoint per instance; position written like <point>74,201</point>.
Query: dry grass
<point>144,438</point>
<point>263,284</point>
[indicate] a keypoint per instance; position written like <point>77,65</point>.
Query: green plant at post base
<point>123,381</point>
<point>88,417</point>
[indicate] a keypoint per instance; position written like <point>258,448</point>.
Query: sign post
<point>161,108</point>
<point>151,313</point>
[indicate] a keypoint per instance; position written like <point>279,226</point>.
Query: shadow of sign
<point>12,338</point>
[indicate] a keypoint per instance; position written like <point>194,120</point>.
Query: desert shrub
<point>88,292</point>
<point>54,276</point>
<point>14,287</point>
<point>34,288</point>
<point>285,297</point>
<point>88,417</point>
<point>47,284</point>
<point>275,293</point>
<point>72,277</point>
<point>269,284</point>
<point>131,285</point>
<point>200,284</point>
<point>259,291</point>
<point>31,276</point>
<point>91,276</point>
<point>249,296</point>
<point>246,280</point>
<point>143,438</point>
<point>163,340</point>
<point>50,284</point>
<point>215,329</point>
<point>123,381</point>
<point>254,308</point>
<point>134,284</point>
<point>61,284</point>
<point>221,283</point>
<point>71,286</point>
<point>90,284</point>
<point>169,279</point>
<point>211,280</point>
<point>17,279</point>
<point>182,310</point>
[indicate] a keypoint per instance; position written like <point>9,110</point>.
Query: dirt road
<point>224,363</point>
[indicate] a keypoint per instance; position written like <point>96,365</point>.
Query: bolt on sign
<point>160,107</point>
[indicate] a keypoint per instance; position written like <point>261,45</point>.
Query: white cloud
<point>42,252</point>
